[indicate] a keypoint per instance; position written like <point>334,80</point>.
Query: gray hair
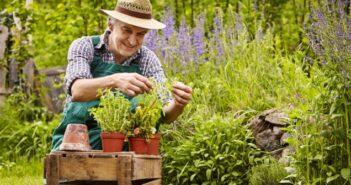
<point>112,20</point>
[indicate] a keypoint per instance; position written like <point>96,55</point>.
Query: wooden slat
<point>124,170</point>
<point>13,73</point>
<point>146,167</point>
<point>52,99</point>
<point>29,72</point>
<point>155,182</point>
<point>4,34</point>
<point>53,71</point>
<point>53,170</point>
<point>3,71</point>
<point>82,167</point>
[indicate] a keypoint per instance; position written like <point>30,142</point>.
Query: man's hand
<point>131,84</point>
<point>181,94</point>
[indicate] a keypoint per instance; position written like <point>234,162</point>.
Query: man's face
<point>125,39</point>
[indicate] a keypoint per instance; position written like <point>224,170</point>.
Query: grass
<point>22,172</point>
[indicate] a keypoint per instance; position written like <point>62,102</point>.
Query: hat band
<point>134,14</point>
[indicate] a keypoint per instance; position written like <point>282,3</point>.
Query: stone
<point>277,118</point>
<point>283,138</point>
<point>277,131</point>
<point>267,141</point>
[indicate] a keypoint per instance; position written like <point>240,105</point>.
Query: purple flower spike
<point>184,41</point>
<point>198,36</point>
<point>169,21</point>
<point>218,28</point>
<point>150,40</point>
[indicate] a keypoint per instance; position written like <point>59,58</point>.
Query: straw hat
<point>135,12</point>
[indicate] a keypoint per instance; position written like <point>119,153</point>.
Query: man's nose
<point>133,40</point>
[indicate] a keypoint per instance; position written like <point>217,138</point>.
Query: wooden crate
<point>96,167</point>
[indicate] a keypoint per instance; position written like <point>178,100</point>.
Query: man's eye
<point>127,30</point>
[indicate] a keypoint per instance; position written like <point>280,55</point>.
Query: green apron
<point>77,112</point>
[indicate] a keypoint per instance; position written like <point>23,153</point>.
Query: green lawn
<point>22,172</point>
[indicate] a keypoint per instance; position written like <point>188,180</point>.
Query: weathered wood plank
<point>146,167</point>
<point>84,168</point>
<point>124,171</point>
<point>53,170</point>
<point>155,182</point>
<point>4,33</point>
<point>13,73</point>
<point>52,98</point>
<point>30,72</point>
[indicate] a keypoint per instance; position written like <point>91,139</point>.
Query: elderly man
<point>115,60</point>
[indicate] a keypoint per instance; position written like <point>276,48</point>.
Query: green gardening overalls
<point>77,112</point>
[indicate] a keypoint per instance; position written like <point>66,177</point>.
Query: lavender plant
<point>325,133</point>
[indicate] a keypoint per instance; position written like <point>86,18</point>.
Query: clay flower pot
<point>76,138</point>
<point>112,141</point>
<point>141,146</point>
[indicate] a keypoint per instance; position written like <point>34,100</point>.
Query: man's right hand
<point>131,84</point>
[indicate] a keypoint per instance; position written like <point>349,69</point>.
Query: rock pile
<point>268,133</point>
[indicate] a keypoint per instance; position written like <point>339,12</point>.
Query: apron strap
<point>95,39</point>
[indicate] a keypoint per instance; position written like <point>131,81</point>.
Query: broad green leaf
<point>208,174</point>
<point>192,177</point>
<point>345,173</point>
<point>332,178</point>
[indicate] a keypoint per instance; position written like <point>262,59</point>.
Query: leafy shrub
<point>219,152</point>
<point>323,153</point>
<point>24,128</point>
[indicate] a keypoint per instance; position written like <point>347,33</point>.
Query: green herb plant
<point>148,111</point>
<point>113,112</point>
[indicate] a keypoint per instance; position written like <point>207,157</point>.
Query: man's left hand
<point>181,94</point>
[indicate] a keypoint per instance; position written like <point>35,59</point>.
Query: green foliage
<point>24,129</point>
<point>322,136</point>
<point>271,173</point>
<point>20,172</point>
<point>221,151</point>
<point>148,112</point>
<point>113,112</point>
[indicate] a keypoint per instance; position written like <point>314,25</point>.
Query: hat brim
<point>142,23</point>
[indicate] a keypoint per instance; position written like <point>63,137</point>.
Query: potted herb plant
<point>148,112</point>
<point>113,116</point>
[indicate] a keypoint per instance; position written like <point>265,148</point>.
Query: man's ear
<point>110,26</point>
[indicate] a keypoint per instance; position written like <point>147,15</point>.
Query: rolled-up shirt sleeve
<point>80,56</point>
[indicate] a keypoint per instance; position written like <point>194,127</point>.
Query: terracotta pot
<point>141,146</point>
<point>76,138</point>
<point>112,141</point>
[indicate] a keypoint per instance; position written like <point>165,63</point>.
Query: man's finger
<point>137,90</point>
<point>144,80</point>
<point>181,94</point>
<point>130,93</point>
<point>181,86</point>
<point>180,101</point>
<point>140,85</point>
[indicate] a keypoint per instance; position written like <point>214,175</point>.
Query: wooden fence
<point>46,83</point>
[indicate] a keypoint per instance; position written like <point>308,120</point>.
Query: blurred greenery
<point>240,57</point>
